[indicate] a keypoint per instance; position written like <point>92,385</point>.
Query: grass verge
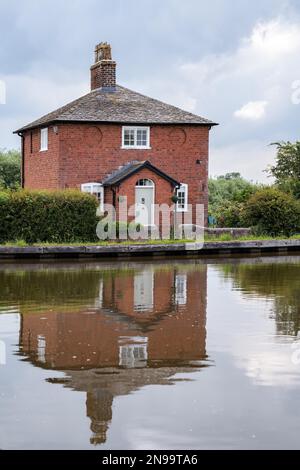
<point>208,238</point>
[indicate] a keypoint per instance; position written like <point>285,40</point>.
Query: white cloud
<point>247,88</point>
<point>29,97</point>
<point>271,365</point>
<point>254,110</point>
<point>274,39</point>
<point>264,65</point>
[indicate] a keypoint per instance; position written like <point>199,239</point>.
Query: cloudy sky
<point>235,62</point>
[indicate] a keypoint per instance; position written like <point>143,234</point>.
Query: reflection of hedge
<point>279,282</point>
<point>64,289</point>
<point>44,216</point>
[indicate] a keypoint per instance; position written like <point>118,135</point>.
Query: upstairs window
<point>44,139</point>
<point>135,137</point>
<point>182,194</point>
<point>97,190</point>
<point>135,353</point>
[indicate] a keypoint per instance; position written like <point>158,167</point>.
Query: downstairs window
<point>97,190</point>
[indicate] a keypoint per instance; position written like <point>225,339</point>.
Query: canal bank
<point>150,250</point>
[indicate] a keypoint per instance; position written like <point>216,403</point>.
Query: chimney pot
<point>103,72</point>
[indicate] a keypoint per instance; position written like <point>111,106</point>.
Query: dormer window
<point>44,139</point>
<point>135,137</point>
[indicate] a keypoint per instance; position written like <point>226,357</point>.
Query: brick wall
<point>41,169</point>
<point>82,153</point>
<point>103,75</point>
<point>163,190</point>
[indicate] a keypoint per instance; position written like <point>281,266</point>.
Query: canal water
<point>200,354</point>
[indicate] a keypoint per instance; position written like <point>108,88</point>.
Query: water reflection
<point>278,282</point>
<point>118,333</point>
<point>112,331</point>
<point>269,352</point>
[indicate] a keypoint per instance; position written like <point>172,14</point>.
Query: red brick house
<point>114,142</point>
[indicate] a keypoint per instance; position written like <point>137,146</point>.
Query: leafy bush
<point>290,186</point>
<point>230,215</point>
<point>10,169</point>
<point>273,212</point>
<point>227,193</point>
<point>44,216</point>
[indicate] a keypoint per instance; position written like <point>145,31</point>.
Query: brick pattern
<point>103,75</point>
<point>81,153</point>
<point>163,192</point>
<point>167,339</point>
<point>41,169</point>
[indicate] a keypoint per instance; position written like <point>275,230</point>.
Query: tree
<point>286,171</point>
<point>227,193</point>
<point>10,169</point>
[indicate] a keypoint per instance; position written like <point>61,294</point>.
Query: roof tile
<point>120,106</point>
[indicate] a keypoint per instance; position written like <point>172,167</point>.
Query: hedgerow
<point>46,216</point>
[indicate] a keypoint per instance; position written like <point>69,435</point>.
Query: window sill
<point>135,148</point>
<point>43,150</point>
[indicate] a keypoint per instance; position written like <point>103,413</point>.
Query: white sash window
<point>182,194</point>
<point>96,189</point>
<point>135,137</point>
<point>44,139</point>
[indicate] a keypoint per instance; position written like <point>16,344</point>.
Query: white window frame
<point>133,352</point>
<point>184,187</point>
<point>181,289</point>
<point>41,348</point>
<point>94,188</point>
<point>141,183</point>
<point>44,139</point>
<point>152,186</point>
<point>135,129</point>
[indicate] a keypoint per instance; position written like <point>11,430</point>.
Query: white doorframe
<point>152,189</point>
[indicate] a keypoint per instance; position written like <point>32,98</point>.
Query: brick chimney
<point>103,72</point>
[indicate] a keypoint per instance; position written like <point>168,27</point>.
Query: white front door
<point>144,209</point>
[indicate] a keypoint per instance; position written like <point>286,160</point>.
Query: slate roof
<point>120,106</point>
<point>133,167</point>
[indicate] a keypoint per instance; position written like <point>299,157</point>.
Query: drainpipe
<point>114,201</point>
<point>114,196</point>
<point>20,134</point>
<point>175,213</point>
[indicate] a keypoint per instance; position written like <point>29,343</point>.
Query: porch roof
<point>131,168</point>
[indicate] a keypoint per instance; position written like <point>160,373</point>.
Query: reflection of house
<point>146,325</point>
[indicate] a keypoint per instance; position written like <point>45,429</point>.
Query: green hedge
<point>272,212</point>
<point>44,216</point>
<point>230,215</point>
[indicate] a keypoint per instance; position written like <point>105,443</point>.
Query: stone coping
<point>148,250</point>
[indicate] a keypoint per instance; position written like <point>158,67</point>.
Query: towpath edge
<point>150,250</point>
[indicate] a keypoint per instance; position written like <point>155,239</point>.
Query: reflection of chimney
<point>103,72</point>
<point>99,410</point>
